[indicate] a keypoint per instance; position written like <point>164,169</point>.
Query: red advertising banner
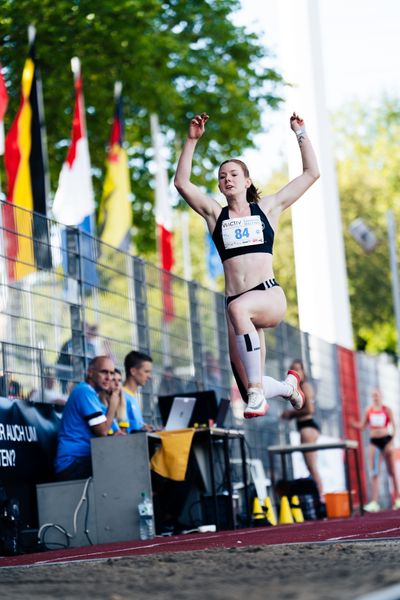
<point>351,410</point>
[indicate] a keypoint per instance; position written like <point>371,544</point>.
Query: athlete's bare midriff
<point>379,432</point>
<point>246,271</point>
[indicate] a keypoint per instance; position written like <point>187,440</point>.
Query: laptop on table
<point>205,408</point>
<point>180,413</point>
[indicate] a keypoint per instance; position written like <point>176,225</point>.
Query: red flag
<point>163,221</point>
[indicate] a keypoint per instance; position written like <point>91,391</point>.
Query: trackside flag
<point>163,220</point>
<point>74,198</point>
<point>214,265</point>
<point>26,239</point>
<point>115,214</point>
<point>3,108</point>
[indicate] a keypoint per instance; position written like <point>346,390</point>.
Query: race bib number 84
<point>247,231</point>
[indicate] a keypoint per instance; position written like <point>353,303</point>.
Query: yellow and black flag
<point>26,237</point>
<point>115,213</point>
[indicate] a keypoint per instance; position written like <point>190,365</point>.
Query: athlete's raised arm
<point>275,204</point>
<point>204,205</point>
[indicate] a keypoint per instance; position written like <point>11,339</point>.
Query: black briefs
<point>307,423</point>
<point>265,285</point>
<point>381,442</point>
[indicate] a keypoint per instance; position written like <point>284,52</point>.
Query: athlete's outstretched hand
<point>296,122</point>
<point>197,126</point>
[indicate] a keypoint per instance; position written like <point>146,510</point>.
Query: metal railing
<point>66,296</point>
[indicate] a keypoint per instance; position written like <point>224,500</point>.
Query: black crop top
<point>242,235</point>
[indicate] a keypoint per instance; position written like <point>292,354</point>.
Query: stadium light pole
<point>391,231</point>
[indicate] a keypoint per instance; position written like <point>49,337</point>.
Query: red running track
<point>368,527</point>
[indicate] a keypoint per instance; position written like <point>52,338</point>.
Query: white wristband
<point>301,132</point>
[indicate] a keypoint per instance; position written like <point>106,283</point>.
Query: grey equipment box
<point>121,472</point>
<point>58,503</point>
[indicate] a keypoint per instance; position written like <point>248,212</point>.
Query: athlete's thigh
<point>309,435</point>
<point>266,308</point>
<point>373,463</point>
<point>388,452</point>
<point>231,335</point>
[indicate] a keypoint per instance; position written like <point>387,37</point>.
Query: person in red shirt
<point>379,419</point>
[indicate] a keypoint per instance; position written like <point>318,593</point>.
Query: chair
<point>257,475</point>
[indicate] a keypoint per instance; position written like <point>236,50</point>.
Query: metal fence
<point>66,296</point>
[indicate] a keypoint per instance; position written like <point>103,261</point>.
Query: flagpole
<point>77,71</point>
<point>3,109</point>
<point>76,68</point>
<point>163,224</point>
<point>391,229</point>
<point>40,105</point>
<point>187,261</point>
<point>27,285</point>
<point>117,90</point>
<point>4,324</point>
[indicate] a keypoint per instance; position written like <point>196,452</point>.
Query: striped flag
<point>163,220</point>
<point>3,108</point>
<point>115,214</point>
<point>214,264</point>
<point>74,198</point>
<point>26,239</point>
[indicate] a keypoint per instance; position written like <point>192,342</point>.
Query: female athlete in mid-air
<point>243,232</point>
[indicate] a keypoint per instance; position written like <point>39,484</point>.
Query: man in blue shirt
<point>85,417</point>
<point>138,369</point>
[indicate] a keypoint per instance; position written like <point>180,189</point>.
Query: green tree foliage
<point>174,57</point>
<point>368,168</point>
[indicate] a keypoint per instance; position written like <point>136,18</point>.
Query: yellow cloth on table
<point>172,458</point>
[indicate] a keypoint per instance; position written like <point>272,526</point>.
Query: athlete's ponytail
<point>252,193</point>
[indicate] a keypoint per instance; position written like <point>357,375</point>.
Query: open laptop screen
<point>205,408</point>
<point>180,413</point>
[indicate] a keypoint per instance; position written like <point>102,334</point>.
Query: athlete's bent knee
<point>236,312</point>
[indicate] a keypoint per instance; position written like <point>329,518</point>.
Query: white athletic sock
<point>250,354</point>
<point>272,387</point>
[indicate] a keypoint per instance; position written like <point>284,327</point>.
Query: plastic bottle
<point>146,525</point>
<point>308,507</point>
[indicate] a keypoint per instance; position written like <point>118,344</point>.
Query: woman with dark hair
<point>305,424</point>
<point>243,232</point>
<point>379,418</point>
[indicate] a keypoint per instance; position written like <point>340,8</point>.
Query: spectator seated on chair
<point>85,417</point>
